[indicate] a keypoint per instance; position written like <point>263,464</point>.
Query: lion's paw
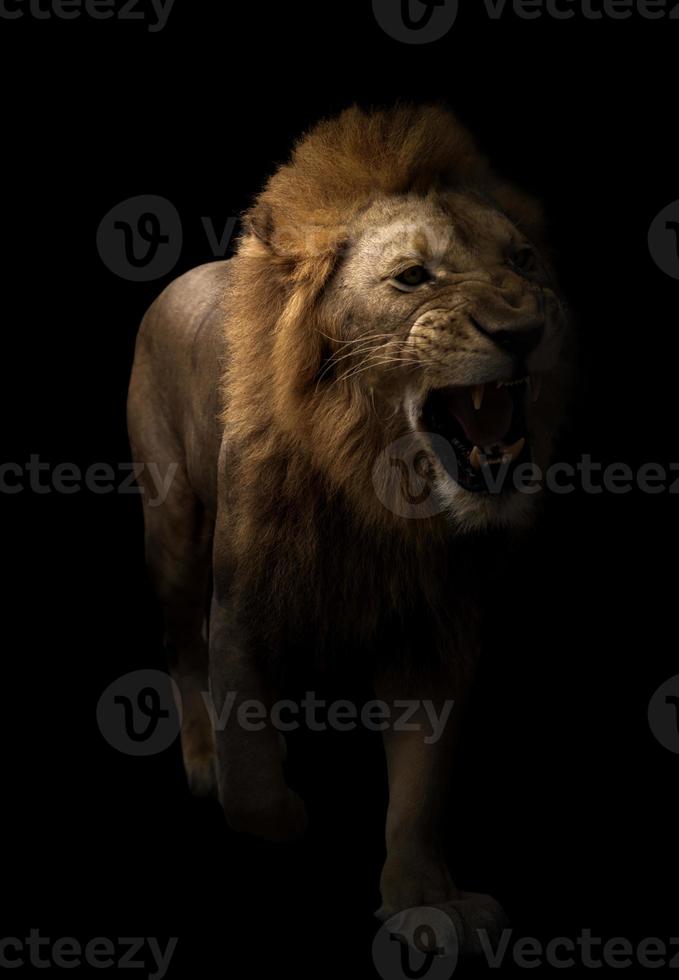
<point>470,924</point>
<point>201,775</point>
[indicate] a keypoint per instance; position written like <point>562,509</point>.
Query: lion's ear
<point>259,222</point>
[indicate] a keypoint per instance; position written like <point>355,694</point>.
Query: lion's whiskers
<point>368,363</point>
<point>380,349</point>
<point>355,340</point>
<point>368,348</point>
<point>389,360</point>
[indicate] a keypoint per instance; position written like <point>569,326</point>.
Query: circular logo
<point>141,239</point>
<point>663,240</point>
<point>415,21</point>
<point>140,713</point>
<point>663,714</point>
<point>420,942</point>
<point>403,475</point>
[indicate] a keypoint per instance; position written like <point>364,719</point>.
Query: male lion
<point>339,398</point>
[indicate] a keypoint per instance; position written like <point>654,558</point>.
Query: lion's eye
<point>525,260</point>
<point>415,275</point>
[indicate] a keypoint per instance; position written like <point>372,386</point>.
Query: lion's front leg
<point>419,755</point>
<point>418,748</point>
<point>252,786</point>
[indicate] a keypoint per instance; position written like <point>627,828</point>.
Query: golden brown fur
<point>292,439</point>
<point>328,361</point>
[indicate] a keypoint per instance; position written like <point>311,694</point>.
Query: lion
<point>339,400</point>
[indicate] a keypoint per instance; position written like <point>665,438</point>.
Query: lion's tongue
<point>488,424</point>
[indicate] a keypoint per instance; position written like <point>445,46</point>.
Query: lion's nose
<point>518,340</point>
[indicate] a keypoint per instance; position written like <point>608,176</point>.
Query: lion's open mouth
<point>486,427</point>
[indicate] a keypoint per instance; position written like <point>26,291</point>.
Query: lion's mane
<point>302,454</point>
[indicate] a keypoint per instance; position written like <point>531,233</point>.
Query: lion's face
<point>449,317</point>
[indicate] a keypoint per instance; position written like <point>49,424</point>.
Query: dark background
<point>565,802</point>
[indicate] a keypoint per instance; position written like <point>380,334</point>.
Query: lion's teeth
<point>496,454</point>
<point>477,396</point>
<point>535,385</point>
<point>511,452</point>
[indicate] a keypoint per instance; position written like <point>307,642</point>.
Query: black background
<point>565,804</point>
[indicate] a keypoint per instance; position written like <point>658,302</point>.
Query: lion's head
<point>401,296</point>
